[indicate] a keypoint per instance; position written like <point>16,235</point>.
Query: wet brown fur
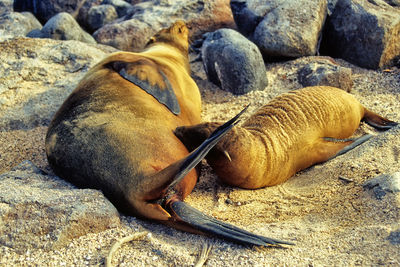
<point>284,136</point>
<point>111,135</point>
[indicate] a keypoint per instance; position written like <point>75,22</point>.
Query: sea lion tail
<point>377,121</point>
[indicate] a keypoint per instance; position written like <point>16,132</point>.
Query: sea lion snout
<point>193,136</point>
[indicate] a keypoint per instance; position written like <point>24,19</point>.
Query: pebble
<point>383,184</point>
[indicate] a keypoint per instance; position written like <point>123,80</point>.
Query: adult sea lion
<point>292,132</point>
<point>115,133</point>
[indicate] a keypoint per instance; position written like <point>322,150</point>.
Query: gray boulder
<point>40,211</point>
<point>366,33</point>
<point>36,75</point>
<point>326,73</point>
<point>6,6</point>
<point>120,6</point>
<point>98,16</point>
<point>82,15</point>
<point>233,63</point>
<point>395,3</point>
<point>143,20</point>
<point>46,9</point>
<point>281,28</point>
<point>63,27</point>
<point>15,24</point>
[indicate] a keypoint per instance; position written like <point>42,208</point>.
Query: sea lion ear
<point>182,29</point>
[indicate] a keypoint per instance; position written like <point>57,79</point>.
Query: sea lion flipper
<point>336,147</point>
<point>210,225</point>
<point>149,77</point>
<point>377,121</point>
<point>200,152</point>
<point>168,177</point>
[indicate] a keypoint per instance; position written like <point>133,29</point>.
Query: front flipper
<point>331,148</point>
<point>148,76</point>
<point>182,212</point>
<point>351,144</point>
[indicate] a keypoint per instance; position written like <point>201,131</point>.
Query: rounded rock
<point>233,62</point>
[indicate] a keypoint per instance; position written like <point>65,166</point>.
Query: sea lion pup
<point>292,132</point>
<point>115,133</point>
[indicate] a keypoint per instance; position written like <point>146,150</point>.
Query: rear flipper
<point>184,213</point>
<point>378,121</point>
<point>329,148</point>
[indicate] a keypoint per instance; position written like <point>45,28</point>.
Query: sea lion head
<point>176,35</point>
<point>192,136</point>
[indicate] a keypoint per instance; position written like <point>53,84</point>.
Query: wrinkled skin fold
<point>294,131</point>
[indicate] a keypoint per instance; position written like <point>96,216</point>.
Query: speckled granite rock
<point>366,33</point>
<point>233,62</point>
<point>36,75</point>
<point>281,28</point>
<point>39,211</point>
<point>133,31</point>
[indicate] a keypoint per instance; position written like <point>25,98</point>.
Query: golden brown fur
<point>115,133</point>
<point>112,135</point>
<point>286,135</point>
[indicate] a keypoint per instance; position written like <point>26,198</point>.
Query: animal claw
<point>227,155</point>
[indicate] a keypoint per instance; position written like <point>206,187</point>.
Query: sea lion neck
<point>173,53</point>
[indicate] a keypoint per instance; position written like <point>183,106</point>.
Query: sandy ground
<point>332,222</point>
